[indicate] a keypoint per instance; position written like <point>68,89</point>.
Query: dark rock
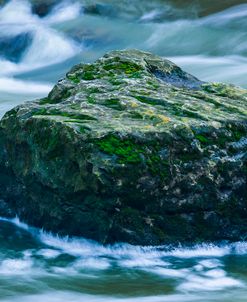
<point>43,8</point>
<point>130,148</point>
<point>101,10</point>
<point>5,210</point>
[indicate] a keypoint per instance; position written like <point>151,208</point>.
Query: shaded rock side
<point>130,148</point>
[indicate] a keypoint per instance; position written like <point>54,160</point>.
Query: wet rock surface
<point>130,148</point>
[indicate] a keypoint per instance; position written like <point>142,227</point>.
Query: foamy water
<point>214,48</point>
<point>37,266</point>
<point>47,47</point>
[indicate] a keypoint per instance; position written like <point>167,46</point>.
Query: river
<point>39,42</point>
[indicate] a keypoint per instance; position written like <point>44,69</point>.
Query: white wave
<point>216,35</point>
<point>82,247</point>
<point>17,12</point>
<point>24,87</point>
<point>233,13</point>
<point>150,15</point>
<point>239,248</point>
<point>215,273</point>
<point>197,283</point>
<point>144,262</point>
<point>48,253</point>
<point>48,46</point>
<point>64,11</point>
<point>16,221</point>
<point>197,269</point>
<point>94,263</point>
<point>228,69</point>
<point>15,266</point>
<point>203,250</point>
<point>210,263</point>
<point>171,273</point>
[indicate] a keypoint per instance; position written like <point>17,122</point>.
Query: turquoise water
<point>35,52</point>
<point>35,266</point>
<point>208,40</point>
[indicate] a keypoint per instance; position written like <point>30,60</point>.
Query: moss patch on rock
<point>130,148</point>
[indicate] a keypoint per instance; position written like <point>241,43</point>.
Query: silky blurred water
<point>38,266</point>
<point>208,40</point>
<point>36,51</point>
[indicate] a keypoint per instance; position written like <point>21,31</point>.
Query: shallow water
<point>208,40</point>
<point>36,265</point>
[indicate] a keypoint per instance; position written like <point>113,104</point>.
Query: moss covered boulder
<point>130,148</point>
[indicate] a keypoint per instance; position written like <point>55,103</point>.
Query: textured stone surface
<point>130,148</point>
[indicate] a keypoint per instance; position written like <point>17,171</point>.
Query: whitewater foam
<point>48,46</point>
<point>24,87</point>
<point>64,11</point>
<point>190,269</point>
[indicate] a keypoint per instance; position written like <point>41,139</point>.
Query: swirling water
<point>36,49</point>
<point>42,267</point>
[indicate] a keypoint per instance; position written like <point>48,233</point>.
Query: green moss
<point>208,98</point>
<point>84,129</point>
<point>88,76</point>
<point>75,121</point>
<point>202,139</point>
<point>129,68</point>
<point>91,100</point>
<point>223,140</point>
<point>153,84</point>
<point>94,90</point>
<point>220,138</point>
<point>129,152</point>
<point>221,90</point>
<point>58,98</point>
<point>49,140</point>
<point>191,114</point>
<point>45,101</point>
<point>158,167</point>
<point>76,106</point>
<point>89,67</point>
<point>136,115</point>
<point>42,111</point>
<point>149,100</point>
<point>125,149</point>
<point>114,104</point>
<point>238,132</point>
<point>135,75</point>
<point>55,112</point>
<point>115,82</point>
<point>73,78</point>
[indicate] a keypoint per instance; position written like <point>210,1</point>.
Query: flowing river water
<point>38,44</point>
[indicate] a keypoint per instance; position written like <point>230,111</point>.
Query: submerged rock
<point>43,7</point>
<point>130,148</point>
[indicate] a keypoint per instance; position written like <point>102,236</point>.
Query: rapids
<point>210,41</point>
<point>37,265</point>
<point>36,51</point>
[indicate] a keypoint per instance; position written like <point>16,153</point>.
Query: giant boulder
<point>130,148</point>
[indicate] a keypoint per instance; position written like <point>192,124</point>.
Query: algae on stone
<point>129,148</point>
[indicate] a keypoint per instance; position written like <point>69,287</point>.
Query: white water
<point>73,269</point>
<point>214,48</point>
<point>48,47</point>
<point>36,266</point>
